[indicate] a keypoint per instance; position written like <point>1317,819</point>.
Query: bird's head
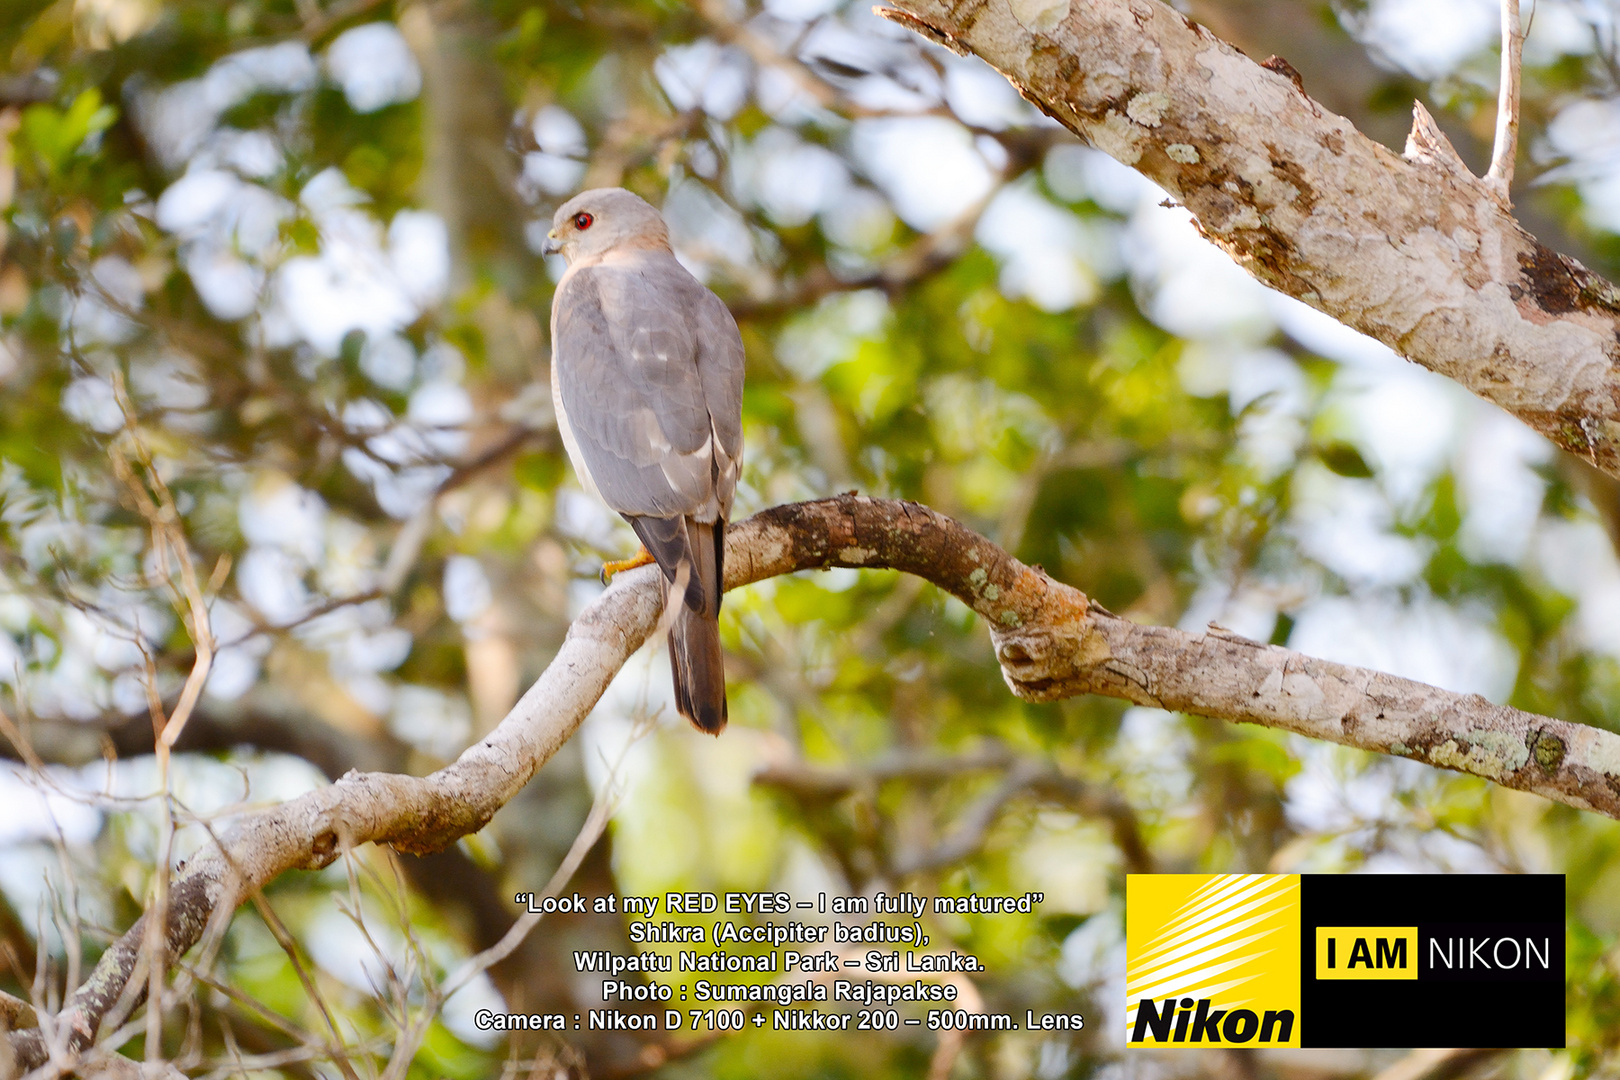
<point>601,220</point>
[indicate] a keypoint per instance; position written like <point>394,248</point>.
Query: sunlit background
<point>291,250</point>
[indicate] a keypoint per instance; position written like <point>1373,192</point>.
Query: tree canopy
<point>277,456</point>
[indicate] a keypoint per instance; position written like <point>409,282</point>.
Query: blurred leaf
<point>52,136</point>
<point>1344,459</point>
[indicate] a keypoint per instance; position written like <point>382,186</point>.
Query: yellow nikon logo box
<point>1212,960</point>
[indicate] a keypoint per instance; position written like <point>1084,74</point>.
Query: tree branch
<point>1051,640</point>
<point>1414,250</point>
<point>1506,147</point>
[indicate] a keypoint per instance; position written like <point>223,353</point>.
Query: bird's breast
<point>566,430</point>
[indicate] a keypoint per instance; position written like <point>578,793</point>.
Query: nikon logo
<point>1490,954</point>
<point>1244,961</point>
<point>1366,952</point>
<point>1196,1022</point>
<point>1213,959</point>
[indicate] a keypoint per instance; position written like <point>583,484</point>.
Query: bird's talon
<point>641,558</point>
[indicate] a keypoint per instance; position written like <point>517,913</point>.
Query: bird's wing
<point>720,368</point>
<point>626,350</point>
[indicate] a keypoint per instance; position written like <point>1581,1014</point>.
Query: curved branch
<point>1414,250</point>
<point>1052,642</point>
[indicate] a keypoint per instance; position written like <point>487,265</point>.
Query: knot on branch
<point>1052,657</point>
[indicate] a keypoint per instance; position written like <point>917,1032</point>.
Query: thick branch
<point>1052,642</point>
<point>1414,251</point>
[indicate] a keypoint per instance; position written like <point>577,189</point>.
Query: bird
<point>647,381</point>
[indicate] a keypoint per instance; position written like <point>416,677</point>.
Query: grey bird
<point>647,379</point>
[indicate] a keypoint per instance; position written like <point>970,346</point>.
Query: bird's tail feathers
<point>691,554</point>
<point>699,669</point>
<point>707,543</point>
<point>695,657</point>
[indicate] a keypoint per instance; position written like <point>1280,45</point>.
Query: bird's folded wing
<point>626,351</point>
<point>720,368</point>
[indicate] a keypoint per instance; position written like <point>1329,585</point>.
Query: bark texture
<point>1413,250</point>
<point>1052,642</point>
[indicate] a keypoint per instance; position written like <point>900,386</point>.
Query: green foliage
<point>49,138</point>
<point>335,478</point>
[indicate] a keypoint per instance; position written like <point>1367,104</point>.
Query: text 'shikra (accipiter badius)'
<point>647,377</point>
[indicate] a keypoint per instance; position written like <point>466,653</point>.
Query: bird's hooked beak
<point>552,246</point>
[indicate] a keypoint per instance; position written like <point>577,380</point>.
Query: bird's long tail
<point>694,639</point>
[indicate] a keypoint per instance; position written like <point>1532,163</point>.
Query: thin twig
<point>278,930</point>
<point>19,741</point>
<point>589,833</point>
<point>1507,105</point>
<point>155,503</point>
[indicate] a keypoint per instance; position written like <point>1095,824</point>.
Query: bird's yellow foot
<point>641,558</point>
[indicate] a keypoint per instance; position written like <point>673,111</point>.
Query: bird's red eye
<point>583,221</point>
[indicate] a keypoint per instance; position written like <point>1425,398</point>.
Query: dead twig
<point>155,504</point>
<point>1506,147</point>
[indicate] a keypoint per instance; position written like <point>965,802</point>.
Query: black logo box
<point>1464,1007</point>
